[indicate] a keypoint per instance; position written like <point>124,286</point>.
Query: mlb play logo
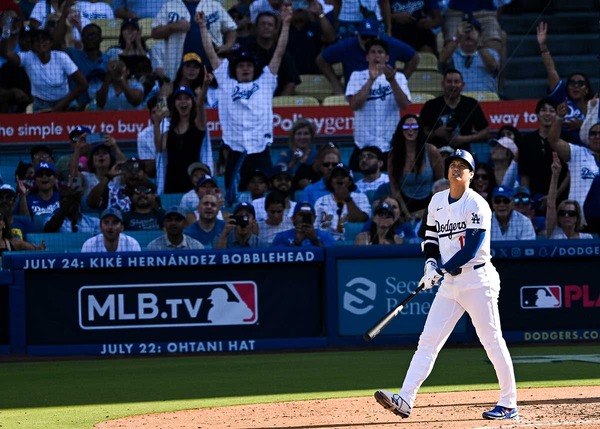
<point>533,297</point>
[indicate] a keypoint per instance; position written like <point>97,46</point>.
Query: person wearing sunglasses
<point>566,221</point>
<point>576,89</point>
<point>507,223</point>
<point>484,181</point>
<point>467,53</point>
<point>524,204</point>
<point>584,168</point>
<point>146,213</point>
<point>328,157</point>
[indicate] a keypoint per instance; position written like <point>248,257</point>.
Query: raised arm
<point>214,59</point>
<point>542,37</point>
<point>286,17</point>
<point>200,119</point>
<point>557,144</point>
<point>552,193</point>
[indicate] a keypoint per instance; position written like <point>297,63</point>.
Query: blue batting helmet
<point>461,154</point>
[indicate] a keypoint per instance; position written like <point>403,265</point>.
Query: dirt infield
<point>572,407</point>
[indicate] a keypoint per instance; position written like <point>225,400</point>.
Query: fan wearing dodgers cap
<point>303,233</point>
<point>240,229</point>
<point>508,223</point>
<point>174,238</point>
<point>280,180</point>
<point>111,238</point>
<point>458,239</point>
<point>44,199</point>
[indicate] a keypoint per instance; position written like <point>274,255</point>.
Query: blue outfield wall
<point>275,299</point>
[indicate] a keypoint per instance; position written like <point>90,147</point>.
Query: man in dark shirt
<point>144,214</point>
<point>453,119</point>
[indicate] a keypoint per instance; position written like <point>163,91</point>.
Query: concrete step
<point>560,44</point>
<point>532,67</point>
<point>565,22</point>
<point>522,89</point>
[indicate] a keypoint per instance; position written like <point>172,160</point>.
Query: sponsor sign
<point>329,121</point>
<point>169,305</point>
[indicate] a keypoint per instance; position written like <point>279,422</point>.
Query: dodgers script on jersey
<point>453,220</point>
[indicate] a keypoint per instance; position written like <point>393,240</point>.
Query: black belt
<point>463,270</point>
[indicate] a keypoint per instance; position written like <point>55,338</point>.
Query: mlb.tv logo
<point>533,297</point>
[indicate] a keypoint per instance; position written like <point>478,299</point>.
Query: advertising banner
<point>328,120</point>
<point>137,308</point>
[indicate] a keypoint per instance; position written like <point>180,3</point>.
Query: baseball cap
<point>99,146</point>
<point>40,148</point>
<point>240,8</point>
<point>342,168</point>
<point>198,166</point>
<point>192,56</point>
<point>522,190</point>
<point>244,206</point>
<point>178,210</point>
<point>303,206</point>
<point>474,23</point>
<point>6,187</point>
<point>503,191</point>
<point>280,169</point>
<point>507,143</point>
<point>244,56</point>
<point>384,207</point>
<point>368,27</point>
<point>112,211</point>
<point>45,166</point>
<point>206,179</point>
<point>130,22</point>
<point>78,130</point>
<point>258,173</point>
<point>185,89</point>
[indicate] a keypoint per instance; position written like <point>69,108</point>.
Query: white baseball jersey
<point>364,187</point>
<point>327,217</point>
<point>48,81</point>
<point>451,222</point>
<point>246,110</point>
<point>376,121</point>
<point>583,169</point>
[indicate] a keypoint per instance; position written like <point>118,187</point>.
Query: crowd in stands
<point>178,58</point>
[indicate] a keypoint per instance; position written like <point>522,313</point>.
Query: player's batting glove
<point>430,265</point>
<point>432,278</point>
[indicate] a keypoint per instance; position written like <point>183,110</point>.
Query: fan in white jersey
<point>457,248</point>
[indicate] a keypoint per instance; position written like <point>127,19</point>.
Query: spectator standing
<point>376,95</point>
<point>483,11</point>
<point>504,155</point>
<point>208,228</point>
<point>111,239</point>
<point>174,238</point>
<point>131,49</point>
<point>263,46</point>
<point>68,216</point>
<point>350,14</point>
<point>371,161</point>
<point>584,168</point>
<point>535,155</point>
<point>507,223</point>
<point>566,222</point>
<point>245,100</point>
<point>259,6</point>
<point>453,119</point>
<point>183,143</point>
<point>342,204</point>
<point>95,9</point>
<point>240,229</point>
<point>413,166</point>
<point>276,219</point>
<point>310,32</point>
<point>303,233</point>
<point>118,91</point>
<point>466,53</point>
<point>146,214</point>
<point>413,22</point>
<point>136,9</point>
<point>48,72</point>
<point>577,90</point>
<point>351,53</point>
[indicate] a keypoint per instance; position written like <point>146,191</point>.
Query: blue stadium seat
<point>144,237</point>
<point>60,242</point>
<point>170,200</point>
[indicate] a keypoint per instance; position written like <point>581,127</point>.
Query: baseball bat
<point>385,320</point>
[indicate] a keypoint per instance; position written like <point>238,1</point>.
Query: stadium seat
<point>314,85</point>
<point>144,237</point>
<point>59,242</point>
<point>335,100</point>
<point>426,81</point>
<point>482,95</point>
<point>106,44</point>
<point>294,100</point>
<point>421,97</point>
<point>428,61</point>
<point>170,200</point>
<point>110,27</point>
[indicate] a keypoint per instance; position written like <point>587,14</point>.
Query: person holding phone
<point>303,233</point>
<point>240,229</point>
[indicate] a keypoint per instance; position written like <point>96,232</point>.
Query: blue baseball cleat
<point>501,413</point>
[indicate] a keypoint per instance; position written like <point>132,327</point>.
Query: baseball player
<point>458,234</point>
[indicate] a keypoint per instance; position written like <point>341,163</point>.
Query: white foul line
<point>524,425</point>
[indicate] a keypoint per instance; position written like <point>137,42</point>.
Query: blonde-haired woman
<point>302,153</point>
<point>565,222</point>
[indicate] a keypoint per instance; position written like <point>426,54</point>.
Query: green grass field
<point>79,393</point>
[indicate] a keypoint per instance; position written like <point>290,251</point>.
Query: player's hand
<point>556,166</point>
<point>430,265</point>
<point>432,278</point>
